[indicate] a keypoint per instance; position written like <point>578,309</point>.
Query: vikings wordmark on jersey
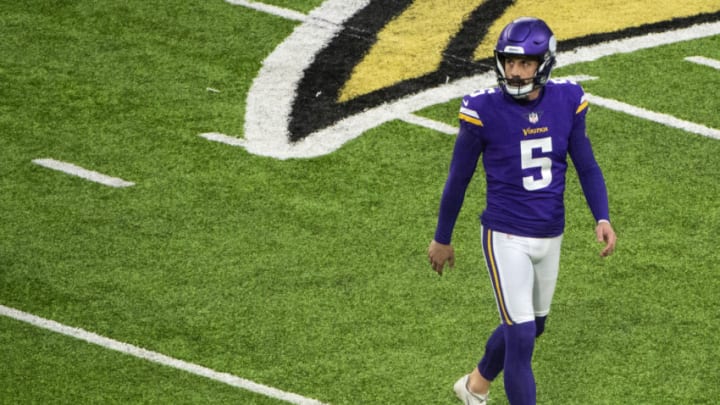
<point>354,64</point>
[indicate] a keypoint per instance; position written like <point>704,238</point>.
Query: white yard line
<point>701,60</point>
<point>222,138</point>
<point>660,118</point>
<point>430,124</point>
<point>274,10</point>
<point>86,174</point>
<point>155,357</point>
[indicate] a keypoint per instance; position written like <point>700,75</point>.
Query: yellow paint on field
<point>578,18</point>
<point>410,46</point>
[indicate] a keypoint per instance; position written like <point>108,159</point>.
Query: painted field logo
<point>352,65</point>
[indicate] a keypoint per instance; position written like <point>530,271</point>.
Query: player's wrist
<point>600,221</point>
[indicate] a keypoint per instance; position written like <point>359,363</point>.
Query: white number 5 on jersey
<point>529,162</point>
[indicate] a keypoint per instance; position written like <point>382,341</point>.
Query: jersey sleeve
<point>466,154</point>
<point>589,172</point>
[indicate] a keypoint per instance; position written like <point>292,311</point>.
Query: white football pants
<point>523,272</point>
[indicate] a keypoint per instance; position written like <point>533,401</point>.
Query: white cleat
<point>467,397</point>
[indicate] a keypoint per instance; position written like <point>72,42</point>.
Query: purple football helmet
<point>525,36</point>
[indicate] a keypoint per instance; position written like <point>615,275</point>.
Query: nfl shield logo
<point>533,117</point>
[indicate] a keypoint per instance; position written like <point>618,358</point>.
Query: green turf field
<point>310,275</point>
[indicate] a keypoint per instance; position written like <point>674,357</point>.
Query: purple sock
<point>494,359</point>
<point>539,325</point>
<point>519,379</point>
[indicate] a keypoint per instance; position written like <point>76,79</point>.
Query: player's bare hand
<point>440,254</point>
<point>606,234</point>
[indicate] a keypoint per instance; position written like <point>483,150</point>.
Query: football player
<point>524,129</point>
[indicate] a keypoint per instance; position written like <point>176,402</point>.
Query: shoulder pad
<point>472,103</point>
<point>574,93</point>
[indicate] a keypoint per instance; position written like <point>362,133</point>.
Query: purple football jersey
<point>524,146</point>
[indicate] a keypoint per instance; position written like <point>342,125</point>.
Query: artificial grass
<point>310,275</point>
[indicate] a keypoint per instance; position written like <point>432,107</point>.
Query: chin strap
<point>519,92</point>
